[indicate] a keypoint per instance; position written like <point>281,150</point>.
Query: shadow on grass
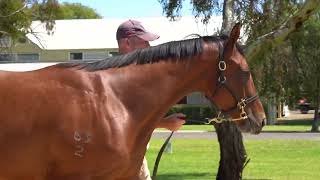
<point>297,122</point>
<point>188,176</point>
<point>191,176</point>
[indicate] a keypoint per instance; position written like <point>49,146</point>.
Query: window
<point>113,54</point>
<point>76,56</point>
<point>197,98</point>
<point>95,55</point>
<point>28,57</point>
<point>6,57</point>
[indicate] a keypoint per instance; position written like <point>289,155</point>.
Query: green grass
<point>270,159</point>
<point>198,127</point>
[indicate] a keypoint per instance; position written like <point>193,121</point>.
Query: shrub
<point>193,112</point>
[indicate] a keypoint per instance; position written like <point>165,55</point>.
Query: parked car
<point>304,106</point>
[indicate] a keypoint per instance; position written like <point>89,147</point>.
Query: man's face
<point>130,44</point>
<point>135,42</point>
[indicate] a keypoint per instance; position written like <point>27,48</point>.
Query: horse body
<point>44,135</point>
<point>95,128</point>
<point>93,122</point>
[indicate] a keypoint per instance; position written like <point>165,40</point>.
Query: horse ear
<point>235,33</point>
<point>232,40</point>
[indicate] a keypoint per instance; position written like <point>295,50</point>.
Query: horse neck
<point>148,91</point>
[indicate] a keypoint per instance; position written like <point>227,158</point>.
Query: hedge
<point>193,112</point>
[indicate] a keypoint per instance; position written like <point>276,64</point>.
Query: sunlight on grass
<point>270,159</point>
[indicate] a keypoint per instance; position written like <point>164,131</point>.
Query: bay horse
<point>92,121</point>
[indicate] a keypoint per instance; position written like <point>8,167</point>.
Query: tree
<point>305,45</point>
<point>16,16</point>
<point>268,23</point>
<point>12,20</point>
<point>68,11</point>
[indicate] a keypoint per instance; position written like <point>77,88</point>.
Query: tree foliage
<point>306,53</point>
<point>250,12</point>
<point>67,11</point>
<point>13,18</point>
<point>290,71</point>
<point>261,19</point>
<point>201,8</point>
<point>16,16</point>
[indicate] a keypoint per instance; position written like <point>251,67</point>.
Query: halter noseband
<point>222,83</point>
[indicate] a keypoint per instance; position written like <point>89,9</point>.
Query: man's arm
<point>172,122</point>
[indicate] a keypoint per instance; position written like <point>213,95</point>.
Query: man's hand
<point>172,122</point>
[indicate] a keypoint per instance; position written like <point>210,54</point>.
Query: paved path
<point>212,135</point>
<point>296,115</point>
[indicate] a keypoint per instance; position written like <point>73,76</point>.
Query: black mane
<point>175,50</point>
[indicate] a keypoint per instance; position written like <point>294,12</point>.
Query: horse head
<point>234,93</point>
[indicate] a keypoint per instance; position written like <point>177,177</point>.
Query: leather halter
<point>223,83</point>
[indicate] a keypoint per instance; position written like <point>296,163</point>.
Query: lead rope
<point>156,163</point>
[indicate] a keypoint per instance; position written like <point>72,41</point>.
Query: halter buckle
<point>222,66</point>
<point>242,103</point>
<point>219,119</point>
<point>216,120</point>
<point>243,115</point>
<point>222,79</point>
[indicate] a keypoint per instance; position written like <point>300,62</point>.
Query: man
<point>132,35</point>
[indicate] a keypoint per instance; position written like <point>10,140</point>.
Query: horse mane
<point>171,51</point>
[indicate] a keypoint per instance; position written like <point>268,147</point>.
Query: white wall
<point>24,66</point>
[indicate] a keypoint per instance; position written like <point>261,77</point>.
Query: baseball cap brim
<point>147,36</point>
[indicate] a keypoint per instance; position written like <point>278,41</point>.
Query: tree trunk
<point>272,111</point>
<point>228,16</point>
<point>232,152</point>
<point>315,123</point>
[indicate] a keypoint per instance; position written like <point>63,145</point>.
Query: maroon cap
<point>134,28</point>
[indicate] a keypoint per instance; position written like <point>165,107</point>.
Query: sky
<point>129,8</point>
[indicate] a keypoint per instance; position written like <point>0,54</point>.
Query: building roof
<point>101,33</point>
<point>23,66</point>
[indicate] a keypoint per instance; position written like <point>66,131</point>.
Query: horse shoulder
<point>92,130</point>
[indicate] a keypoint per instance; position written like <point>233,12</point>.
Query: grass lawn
<point>270,159</point>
